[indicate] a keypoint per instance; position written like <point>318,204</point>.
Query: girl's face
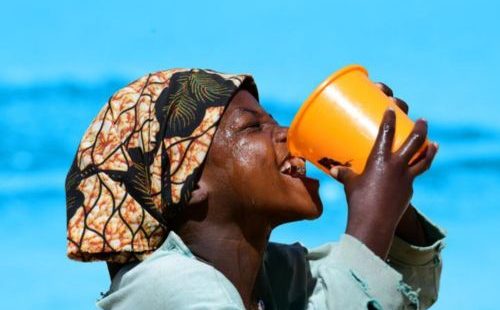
<point>248,165</point>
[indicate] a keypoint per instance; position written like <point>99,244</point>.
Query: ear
<point>199,193</point>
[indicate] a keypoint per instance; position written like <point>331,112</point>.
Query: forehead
<point>243,102</point>
<point>244,99</point>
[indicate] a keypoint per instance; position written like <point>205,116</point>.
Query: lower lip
<point>310,182</point>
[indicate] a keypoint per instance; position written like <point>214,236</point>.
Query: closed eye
<point>254,125</point>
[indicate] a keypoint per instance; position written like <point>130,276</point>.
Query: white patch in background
<point>330,192</point>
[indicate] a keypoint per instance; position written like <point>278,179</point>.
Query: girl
<point>182,176</point>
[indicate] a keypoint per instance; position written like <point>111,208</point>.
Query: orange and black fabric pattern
<point>139,160</point>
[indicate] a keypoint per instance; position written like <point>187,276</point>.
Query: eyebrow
<point>239,110</point>
<point>243,109</point>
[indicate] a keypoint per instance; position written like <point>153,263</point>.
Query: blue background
<point>61,60</point>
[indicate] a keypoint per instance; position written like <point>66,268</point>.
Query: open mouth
<point>294,167</point>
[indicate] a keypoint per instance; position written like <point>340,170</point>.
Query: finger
<point>401,104</point>
<point>383,144</point>
<point>414,141</point>
<point>342,174</point>
<point>425,163</point>
<point>385,89</point>
<point>388,92</point>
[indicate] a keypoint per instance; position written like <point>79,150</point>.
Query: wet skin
<point>242,195</point>
<point>379,199</point>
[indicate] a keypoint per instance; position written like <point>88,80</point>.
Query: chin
<point>313,210</point>
<point>315,204</point>
<point>304,208</point>
<point>301,189</point>
<point>305,192</point>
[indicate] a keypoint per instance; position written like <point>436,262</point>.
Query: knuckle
<point>399,161</point>
<point>403,106</point>
<point>387,90</point>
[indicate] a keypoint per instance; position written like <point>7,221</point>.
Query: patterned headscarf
<point>139,160</point>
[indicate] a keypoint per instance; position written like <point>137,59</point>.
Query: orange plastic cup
<point>339,122</point>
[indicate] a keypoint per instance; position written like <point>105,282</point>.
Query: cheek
<point>254,164</point>
<point>253,154</point>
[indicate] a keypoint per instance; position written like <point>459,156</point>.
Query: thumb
<point>341,173</point>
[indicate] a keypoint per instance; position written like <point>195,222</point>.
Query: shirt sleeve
<point>350,275</point>
<point>420,266</point>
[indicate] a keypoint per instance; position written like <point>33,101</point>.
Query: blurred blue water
<point>43,123</point>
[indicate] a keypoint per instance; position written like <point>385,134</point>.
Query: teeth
<point>286,166</point>
<point>294,166</point>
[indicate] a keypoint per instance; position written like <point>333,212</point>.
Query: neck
<point>235,250</point>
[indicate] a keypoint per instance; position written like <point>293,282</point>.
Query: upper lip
<point>287,157</point>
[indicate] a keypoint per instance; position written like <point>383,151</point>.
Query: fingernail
<point>436,145</point>
<point>391,108</point>
<point>423,121</point>
<point>334,172</point>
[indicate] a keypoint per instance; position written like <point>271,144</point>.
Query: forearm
<point>410,228</point>
<point>377,234</point>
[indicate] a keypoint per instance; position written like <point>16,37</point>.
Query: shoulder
<point>285,252</point>
<point>171,266</point>
<point>176,281</point>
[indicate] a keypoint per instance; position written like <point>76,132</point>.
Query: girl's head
<point>249,173</point>
<point>177,145</point>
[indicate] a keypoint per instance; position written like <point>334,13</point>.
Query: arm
<point>410,228</point>
<point>378,199</point>
<point>381,218</point>
<point>348,274</point>
<point>401,221</point>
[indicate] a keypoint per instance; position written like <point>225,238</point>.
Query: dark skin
<point>379,198</point>
<point>242,195</point>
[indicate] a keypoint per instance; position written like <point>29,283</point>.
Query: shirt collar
<point>174,243</point>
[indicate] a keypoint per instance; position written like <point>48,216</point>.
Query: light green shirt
<point>339,275</point>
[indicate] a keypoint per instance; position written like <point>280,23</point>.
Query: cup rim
<point>318,90</point>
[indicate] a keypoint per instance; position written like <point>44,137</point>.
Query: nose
<point>280,134</point>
